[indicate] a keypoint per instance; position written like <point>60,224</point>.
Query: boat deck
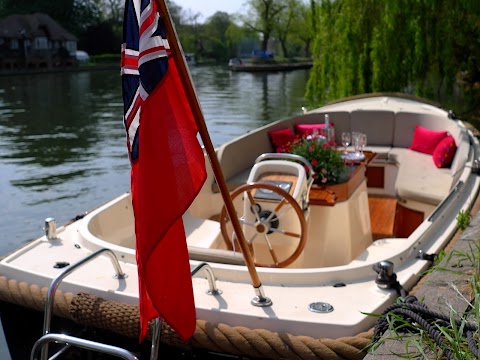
<point>382,216</point>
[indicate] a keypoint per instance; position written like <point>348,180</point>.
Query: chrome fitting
<point>50,229</point>
<point>260,300</point>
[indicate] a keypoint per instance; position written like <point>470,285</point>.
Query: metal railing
<point>52,289</point>
<point>81,343</point>
<point>288,156</point>
<point>69,341</point>
<point>213,290</point>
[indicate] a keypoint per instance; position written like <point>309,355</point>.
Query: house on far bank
<point>35,42</point>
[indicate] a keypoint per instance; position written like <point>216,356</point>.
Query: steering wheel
<point>264,224</point>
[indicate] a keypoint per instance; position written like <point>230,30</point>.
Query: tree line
<point>429,48</point>
<point>98,26</point>
<point>281,26</point>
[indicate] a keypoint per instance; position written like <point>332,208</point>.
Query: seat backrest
<point>378,125</point>
<point>405,123</point>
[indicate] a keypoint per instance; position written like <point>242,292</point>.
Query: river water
<point>62,141</point>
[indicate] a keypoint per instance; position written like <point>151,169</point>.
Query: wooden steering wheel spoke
<point>267,223</point>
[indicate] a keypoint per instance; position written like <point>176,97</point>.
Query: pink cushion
<point>308,129</point>
<point>426,140</point>
<point>280,138</point>
<point>444,152</point>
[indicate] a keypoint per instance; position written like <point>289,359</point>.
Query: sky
<point>209,7</point>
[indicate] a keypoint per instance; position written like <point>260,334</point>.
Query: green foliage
<point>100,38</point>
<point>73,15</point>
<point>287,22</point>
<point>419,46</point>
<point>218,37</point>
<point>262,17</point>
<point>326,160</point>
<point>463,219</point>
<point>98,26</point>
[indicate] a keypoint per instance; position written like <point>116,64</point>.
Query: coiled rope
<point>410,309</point>
<point>123,319</point>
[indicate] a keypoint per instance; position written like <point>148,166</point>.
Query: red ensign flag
<point>168,168</point>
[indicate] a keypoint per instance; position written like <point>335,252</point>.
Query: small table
<point>329,195</point>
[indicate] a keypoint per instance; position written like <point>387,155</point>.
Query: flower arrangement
<point>326,160</point>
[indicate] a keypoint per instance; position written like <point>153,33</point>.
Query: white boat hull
<point>349,288</point>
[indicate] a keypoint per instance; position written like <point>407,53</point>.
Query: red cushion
<point>308,129</point>
<point>281,137</point>
<point>426,140</point>
<point>444,152</point>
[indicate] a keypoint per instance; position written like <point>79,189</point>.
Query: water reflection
<point>234,103</point>
<point>62,142</point>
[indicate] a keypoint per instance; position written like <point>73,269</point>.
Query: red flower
<point>314,162</point>
<point>325,145</point>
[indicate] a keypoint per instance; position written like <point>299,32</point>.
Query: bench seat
<point>389,134</point>
<point>418,178</point>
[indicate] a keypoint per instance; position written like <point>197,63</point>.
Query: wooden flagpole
<point>186,79</point>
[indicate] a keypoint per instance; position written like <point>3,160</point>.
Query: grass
<point>463,219</point>
<point>438,338</point>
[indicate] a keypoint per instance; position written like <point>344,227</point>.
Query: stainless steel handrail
<point>287,156</point>
<point>56,282</point>
<point>210,277</point>
<point>443,204</point>
<point>91,345</point>
<point>81,343</point>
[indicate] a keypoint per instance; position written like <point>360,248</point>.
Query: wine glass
<point>356,142</point>
<point>363,142</point>
<point>346,140</point>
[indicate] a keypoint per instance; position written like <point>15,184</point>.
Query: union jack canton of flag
<point>144,63</point>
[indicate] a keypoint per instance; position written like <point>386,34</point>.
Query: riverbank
<point>447,290</point>
<point>72,69</point>
<point>253,67</point>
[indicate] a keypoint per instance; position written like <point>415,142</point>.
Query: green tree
<point>175,12</point>
<point>420,46</point>
<point>112,10</point>
<point>234,36</point>
<point>262,17</point>
<point>85,13</point>
<point>216,42</point>
<point>284,21</point>
<point>73,15</point>
<point>302,28</point>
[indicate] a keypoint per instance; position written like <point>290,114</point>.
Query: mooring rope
<point>415,311</point>
<point>410,309</point>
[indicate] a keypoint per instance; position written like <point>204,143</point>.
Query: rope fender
<point>33,297</point>
<point>123,319</point>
